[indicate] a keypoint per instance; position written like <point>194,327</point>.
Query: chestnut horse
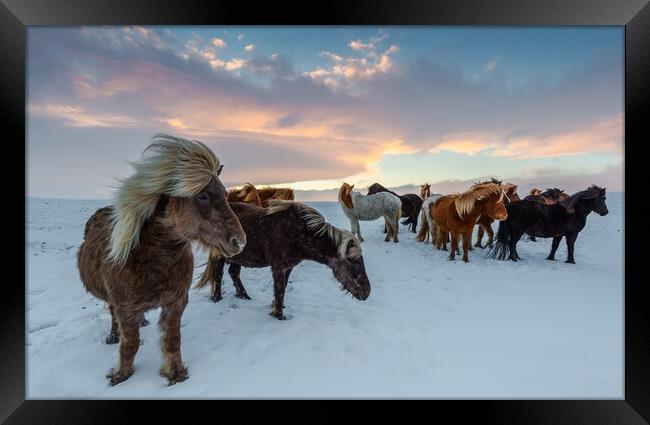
<point>268,193</point>
<point>281,236</point>
<point>458,214</point>
<point>260,197</point>
<point>247,193</point>
<point>485,222</point>
<point>425,191</point>
<point>136,255</point>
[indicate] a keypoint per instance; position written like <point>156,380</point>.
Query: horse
<point>357,207</point>
<point>247,193</point>
<point>485,222</point>
<point>425,191</point>
<point>281,236</point>
<point>136,254</point>
<point>268,193</point>
<point>458,214</point>
<point>411,204</point>
<point>428,226</point>
<point>566,218</point>
<point>548,197</point>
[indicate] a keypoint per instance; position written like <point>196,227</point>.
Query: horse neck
<point>159,233</point>
<point>319,248</point>
<point>480,207</point>
<point>583,208</point>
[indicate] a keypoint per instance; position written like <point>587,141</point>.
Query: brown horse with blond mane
<point>249,194</point>
<point>485,222</point>
<point>458,214</point>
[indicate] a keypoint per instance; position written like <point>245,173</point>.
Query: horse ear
<point>219,170</point>
<point>351,187</point>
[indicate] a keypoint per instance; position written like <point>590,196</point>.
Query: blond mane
<point>316,223</point>
<point>170,166</point>
<point>465,201</point>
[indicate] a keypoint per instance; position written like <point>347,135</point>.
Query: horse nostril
<point>237,244</point>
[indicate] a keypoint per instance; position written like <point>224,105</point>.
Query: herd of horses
<point>137,255</point>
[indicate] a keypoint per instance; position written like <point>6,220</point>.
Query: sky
<point>311,107</point>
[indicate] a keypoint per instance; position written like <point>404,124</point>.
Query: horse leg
<point>514,238</point>
<point>490,232</point>
<point>570,241</point>
<point>396,229</point>
<point>414,221</point>
<point>129,328</point>
<point>234,270</point>
<point>280,279</point>
<point>356,229</point>
<point>217,279</point>
<point>554,246</point>
<point>170,340</point>
<point>467,243</point>
<point>114,336</point>
<point>388,227</point>
<point>454,246</point>
<point>479,237</point>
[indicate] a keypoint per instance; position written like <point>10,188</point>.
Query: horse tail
<point>398,215</point>
<point>501,249</point>
<point>209,274</point>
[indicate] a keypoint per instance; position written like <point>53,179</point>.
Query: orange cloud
<point>76,116</point>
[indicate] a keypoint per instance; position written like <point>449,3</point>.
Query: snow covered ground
<point>430,328</point>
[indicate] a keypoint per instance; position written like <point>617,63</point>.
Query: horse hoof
<point>278,316</point>
<point>115,378</point>
<point>176,375</point>
<point>112,339</point>
<point>550,258</point>
<point>216,298</point>
<point>243,296</point>
<point>570,262</point>
<point>396,241</point>
<point>478,245</point>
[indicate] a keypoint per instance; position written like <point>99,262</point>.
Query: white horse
<point>370,207</point>
<point>428,226</point>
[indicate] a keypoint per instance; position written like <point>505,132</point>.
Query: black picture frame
<point>16,15</point>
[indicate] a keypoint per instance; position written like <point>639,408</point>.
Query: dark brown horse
<point>485,222</point>
<point>548,197</point>
<point>281,236</point>
<point>136,255</point>
<point>411,204</point>
<point>566,218</point>
<point>457,214</point>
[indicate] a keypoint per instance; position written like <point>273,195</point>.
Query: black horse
<point>566,218</point>
<point>411,204</point>
<point>281,236</point>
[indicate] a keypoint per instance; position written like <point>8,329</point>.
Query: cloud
<point>76,116</point>
<point>491,65</point>
<point>240,37</point>
<point>343,71</point>
<point>219,43</point>
<point>334,120</point>
<point>249,47</point>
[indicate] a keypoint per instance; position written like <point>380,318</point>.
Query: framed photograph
<point>390,201</point>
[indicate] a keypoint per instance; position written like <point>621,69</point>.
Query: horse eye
<point>202,197</point>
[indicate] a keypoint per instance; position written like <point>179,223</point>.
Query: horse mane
<point>535,191</point>
<point>345,197</point>
<point>315,222</point>
<point>591,192</point>
<point>170,166</point>
<point>465,201</point>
